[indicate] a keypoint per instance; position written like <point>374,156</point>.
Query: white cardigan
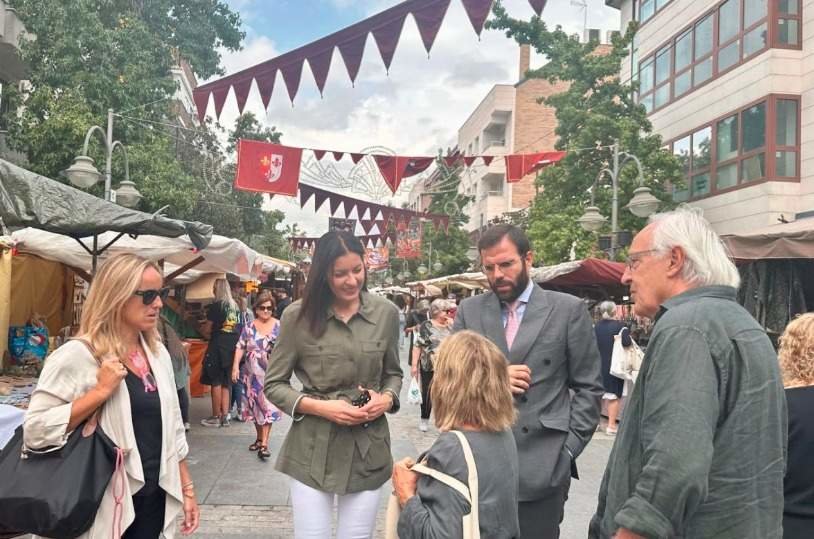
<point>68,374</point>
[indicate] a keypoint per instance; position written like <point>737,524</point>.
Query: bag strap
<point>472,470</point>
<point>93,420</point>
<point>448,480</point>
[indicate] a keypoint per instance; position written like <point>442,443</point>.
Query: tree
<point>89,56</point>
<point>596,110</point>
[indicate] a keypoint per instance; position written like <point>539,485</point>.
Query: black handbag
<point>57,492</point>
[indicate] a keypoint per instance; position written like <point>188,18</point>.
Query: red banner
<point>377,258</point>
<point>408,240</point>
<point>267,168</point>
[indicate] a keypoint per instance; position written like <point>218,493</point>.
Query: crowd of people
<point>715,441</point>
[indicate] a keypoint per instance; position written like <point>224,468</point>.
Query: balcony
<point>12,68</point>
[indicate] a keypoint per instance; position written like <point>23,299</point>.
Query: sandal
<point>256,445</point>
<point>263,452</point>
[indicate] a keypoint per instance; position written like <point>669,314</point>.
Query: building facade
<point>12,69</point>
<point>729,85</point>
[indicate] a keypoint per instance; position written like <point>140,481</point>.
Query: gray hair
<point>707,261</point>
<point>607,309</point>
<point>439,305</point>
<point>423,306</point>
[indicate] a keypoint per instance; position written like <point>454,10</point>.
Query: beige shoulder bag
<point>471,524</point>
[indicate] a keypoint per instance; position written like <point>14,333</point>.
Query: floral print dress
<point>254,406</point>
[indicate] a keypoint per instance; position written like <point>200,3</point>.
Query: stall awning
<point>30,200</point>
<point>221,255</point>
<point>588,272</point>
<point>787,240</point>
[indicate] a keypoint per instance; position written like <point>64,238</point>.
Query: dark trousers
<point>540,519</point>
<point>183,402</point>
<point>149,520</point>
<point>426,403</point>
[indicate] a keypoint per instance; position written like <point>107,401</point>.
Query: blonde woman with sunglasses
<point>135,389</point>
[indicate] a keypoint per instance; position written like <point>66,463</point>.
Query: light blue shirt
<point>521,308</point>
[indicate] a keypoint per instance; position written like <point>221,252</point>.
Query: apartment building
<point>729,85</point>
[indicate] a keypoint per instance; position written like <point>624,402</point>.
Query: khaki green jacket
<point>317,452</point>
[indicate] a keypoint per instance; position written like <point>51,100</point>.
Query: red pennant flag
<point>242,89</point>
<point>537,6</point>
<point>487,159</point>
<point>201,99</point>
<point>320,197</point>
<point>333,202</point>
<point>351,52</point>
<point>392,169</point>
<point>518,166</point>
<point>387,37</point>
<point>361,209</point>
<point>347,206</point>
<point>367,225</point>
<point>319,154</point>
<point>417,165</point>
<point>450,160</point>
<point>381,224</point>
<point>306,192</point>
<point>469,160</point>
<point>267,168</point>
<point>356,157</point>
<point>320,64</point>
<point>219,94</point>
<point>429,21</point>
<point>292,73</point>
<point>338,155</point>
<point>265,84</point>
<point>477,11</point>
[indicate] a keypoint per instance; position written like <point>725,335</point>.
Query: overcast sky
<point>415,110</point>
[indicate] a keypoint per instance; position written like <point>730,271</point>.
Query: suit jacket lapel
<point>534,319</point>
<point>492,322</point>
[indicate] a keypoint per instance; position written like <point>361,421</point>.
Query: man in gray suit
<point>554,368</point>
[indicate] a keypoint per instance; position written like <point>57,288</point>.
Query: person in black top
<point>224,318</point>
<point>415,318</point>
<point>282,301</point>
<point>606,329</point>
<point>796,356</point>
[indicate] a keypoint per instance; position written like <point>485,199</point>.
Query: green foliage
<point>597,109</point>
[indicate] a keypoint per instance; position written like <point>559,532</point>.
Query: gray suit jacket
<point>560,411</point>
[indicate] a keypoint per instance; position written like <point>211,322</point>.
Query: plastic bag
<point>414,392</point>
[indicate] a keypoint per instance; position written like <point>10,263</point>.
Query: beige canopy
<point>787,240</point>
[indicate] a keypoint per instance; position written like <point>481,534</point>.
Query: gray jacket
<point>560,411</point>
<point>436,511</point>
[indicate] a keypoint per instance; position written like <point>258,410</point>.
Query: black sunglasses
<point>148,296</point>
<point>265,308</point>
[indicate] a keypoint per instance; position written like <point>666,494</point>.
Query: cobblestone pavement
<point>244,497</point>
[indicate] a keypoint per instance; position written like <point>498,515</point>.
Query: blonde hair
<point>796,353</point>
<point>114,284</point>
<point>223,293</point>
<point>470,386</point>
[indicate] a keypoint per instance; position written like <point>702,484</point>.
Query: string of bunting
<point>379,214</point>
<point>369,240</point>
<point>386,28</point>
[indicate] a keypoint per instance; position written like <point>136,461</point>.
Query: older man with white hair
<point>701,451</point>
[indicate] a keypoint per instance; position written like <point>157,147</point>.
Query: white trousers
<point>313,513</point>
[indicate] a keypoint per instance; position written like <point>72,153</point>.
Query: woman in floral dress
<point>250,362</point>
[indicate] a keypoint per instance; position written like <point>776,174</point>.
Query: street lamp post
<point>83,174</point>
<point>642,204</point>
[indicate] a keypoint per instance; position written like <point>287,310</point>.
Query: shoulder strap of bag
<point>92,421</point>
<point>448,480</point>
<point>473,480</point>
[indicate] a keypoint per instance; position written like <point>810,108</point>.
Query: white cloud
<point>415,109</point>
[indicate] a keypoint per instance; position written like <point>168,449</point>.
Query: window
<point>648,8</point>
<point>731,33</point>
<point>756,143</point>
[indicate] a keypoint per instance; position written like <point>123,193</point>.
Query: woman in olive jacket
<point>342,343</point>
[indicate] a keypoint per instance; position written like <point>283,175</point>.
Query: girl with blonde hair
<point>119,364</point>
<point>796,356</point>
<point>471,394</point>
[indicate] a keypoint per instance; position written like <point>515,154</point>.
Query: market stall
<point>591,278</point>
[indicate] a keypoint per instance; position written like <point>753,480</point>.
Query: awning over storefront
<point>588,272</point>
<point>787,240</point>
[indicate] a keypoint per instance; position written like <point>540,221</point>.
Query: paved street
<point>244,497</point>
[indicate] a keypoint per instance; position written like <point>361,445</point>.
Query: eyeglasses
<point>149,296</point>
<point>490,268</point>
<point>265,308</point>
<point>633,259</point>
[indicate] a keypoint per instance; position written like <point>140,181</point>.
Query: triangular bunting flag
<point>320,197</point>
<point>319,154</point>
<point>356,157</point>
<point>338,155</point>
<point>487,159</point>
<point>382,225</point>
<point>320,64</point>
<point>265,84</point>
<point>429,21</point>
<point>537,6</point>
<point>292,73</point>
<point>333,202</point>
<point>477,11</point>
<point>387,37</point>
<point>242,89</point>
<point>361,209</point>
<point>450,160</point>
<point>351,52</point>
<point>219,94</point>
<point>417,165</point>
<point>367,225</point>
<point>392,169</point>
<point>201,103</point>
<point>347,206</point>
<point>306,192</point>
<point>469,160</point>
